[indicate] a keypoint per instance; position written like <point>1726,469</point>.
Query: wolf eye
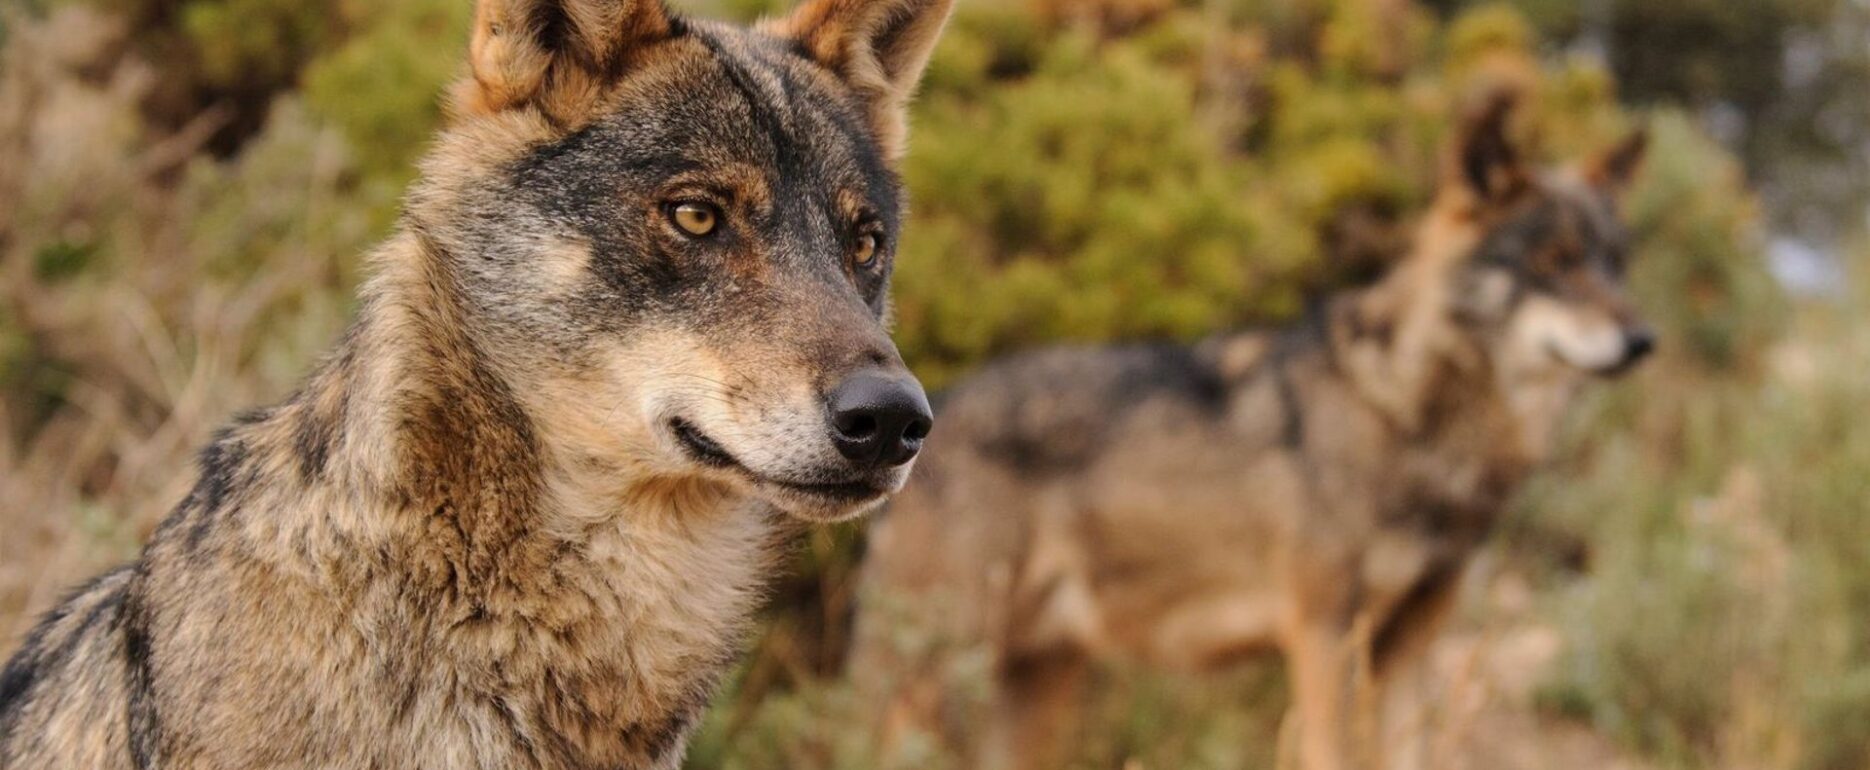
<point>864,254</point>
<point>695,218</point>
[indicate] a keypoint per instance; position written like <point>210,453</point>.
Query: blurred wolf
<point>630,323</point>
<point>1314,490</point>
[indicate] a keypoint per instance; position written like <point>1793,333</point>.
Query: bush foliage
<point>1079,170</point>
<point>1074,181</point>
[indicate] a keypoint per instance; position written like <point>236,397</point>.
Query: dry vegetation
<point>1688,587</point>
<point>149,292</point>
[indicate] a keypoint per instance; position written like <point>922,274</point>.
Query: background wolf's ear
<point>1614,169</point>
<point>879,47</point>
<point>1483,159</point>
<point>557,55</point>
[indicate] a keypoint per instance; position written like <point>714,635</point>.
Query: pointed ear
<point>879,48</point>
<point>556,55</point>
<point>1614,169</point>
<point>1483,158</point>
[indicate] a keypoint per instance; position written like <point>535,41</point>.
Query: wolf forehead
<point>729,112</point>
<point>1561,225</point>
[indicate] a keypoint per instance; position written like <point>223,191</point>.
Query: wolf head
<point>673,239</point>
<point>1539,274</point>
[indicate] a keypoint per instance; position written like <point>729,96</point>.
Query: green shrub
<point>1078,201</point>
<point>1701,275</point>
<point>1076,184</point>
<point>1722,621</point>
<point>384,87</point>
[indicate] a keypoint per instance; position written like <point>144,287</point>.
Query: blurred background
<point>187,187</point>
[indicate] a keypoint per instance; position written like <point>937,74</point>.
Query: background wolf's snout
<point>879,420</point>
<point>1638,343</point>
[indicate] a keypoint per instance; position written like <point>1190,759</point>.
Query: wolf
<point>1313,490</point>
<point>629,331</point>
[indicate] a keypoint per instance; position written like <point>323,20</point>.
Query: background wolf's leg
<point>1318,634</point>
<point>1038,711</point>
<point>1321,662</point>
<point>1403,675</point>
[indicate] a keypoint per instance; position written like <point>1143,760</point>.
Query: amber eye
<point>865,252</point>
<point>695,218</point>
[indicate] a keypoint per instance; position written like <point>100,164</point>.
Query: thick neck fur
<point>408,467</point>
<point>1396,340</point>
<point>1433,383</point>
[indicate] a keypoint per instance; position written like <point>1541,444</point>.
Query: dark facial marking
<point>1553,241</point>
<point>824,150</point>
<point>749,104</point>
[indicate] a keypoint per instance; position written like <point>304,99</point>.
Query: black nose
<point>876,419</point>
<point>1638,343</point>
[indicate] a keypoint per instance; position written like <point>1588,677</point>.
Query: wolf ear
<point>1484,160</point>
<point>879,48</point>
<point>557,55</point>
<point>1614,169</point>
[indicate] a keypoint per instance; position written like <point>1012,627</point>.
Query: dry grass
<point>1718,618</point>
<point>127,331</point>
